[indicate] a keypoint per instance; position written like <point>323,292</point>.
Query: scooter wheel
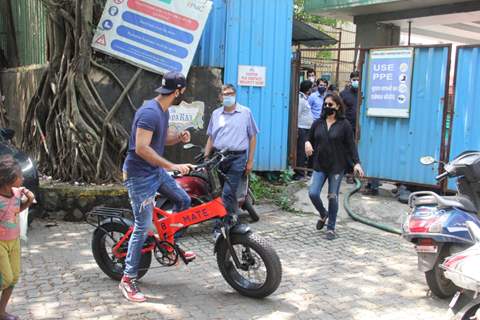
<point>440,286</point>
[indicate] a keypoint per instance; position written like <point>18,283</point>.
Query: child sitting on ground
<point>13,200</point>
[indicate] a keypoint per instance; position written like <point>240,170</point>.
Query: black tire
<point>440,286</point>
<point>248,206</point>
<point>111,266</point>
<point>263,251</point>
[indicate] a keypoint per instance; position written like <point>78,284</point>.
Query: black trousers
<point>302,159</point>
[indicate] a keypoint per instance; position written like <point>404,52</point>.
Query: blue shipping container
<point>390,148</point>
<point>211,49</point>
<point>466,124</point>
<point>259,33</point>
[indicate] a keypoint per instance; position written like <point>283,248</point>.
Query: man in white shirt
<point>305,120</point>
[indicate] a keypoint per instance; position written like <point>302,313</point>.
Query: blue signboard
<point>159,36</point>
<point>389,82</point>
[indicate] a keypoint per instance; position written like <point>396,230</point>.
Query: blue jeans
<point>141,191</point>
<point>318,181</point>
<point>234,169</point>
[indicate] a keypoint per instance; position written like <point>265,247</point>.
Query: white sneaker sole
<point>125,295</point>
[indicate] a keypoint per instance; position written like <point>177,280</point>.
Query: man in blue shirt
<point>316,98</point>
<point>232,128</point>
<point>145,172</point>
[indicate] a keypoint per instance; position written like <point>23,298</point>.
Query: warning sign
<point>101,40</point>
<point>157,35</point>
<point>251,76</point>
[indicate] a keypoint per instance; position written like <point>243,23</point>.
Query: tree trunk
<point>69,128</point>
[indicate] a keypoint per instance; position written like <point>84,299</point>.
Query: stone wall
<point>63,201</point>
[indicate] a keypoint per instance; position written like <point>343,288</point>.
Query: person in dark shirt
<point>350,97</point>
<point>334,151</point>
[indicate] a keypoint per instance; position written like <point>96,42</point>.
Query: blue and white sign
<point>389,82</point>
<point>157,35</point>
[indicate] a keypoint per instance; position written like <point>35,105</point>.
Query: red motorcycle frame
<point>168,224</point>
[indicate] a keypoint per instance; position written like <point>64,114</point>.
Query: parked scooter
<point>463,270</point>
<point>436,224</point>
<point>196,185</point>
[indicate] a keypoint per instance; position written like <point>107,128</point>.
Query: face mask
<point>312,79</point>
<point>178,99</point>
<point>329,111</point>
<point>322,90</point>
<point>355,84</point>
<point>228,101</point>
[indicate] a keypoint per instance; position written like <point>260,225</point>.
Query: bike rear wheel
<point>264,272</point>
<point>104,239</point>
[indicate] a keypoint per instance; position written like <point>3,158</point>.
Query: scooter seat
<point>428,198</point>
<point>460,203</point>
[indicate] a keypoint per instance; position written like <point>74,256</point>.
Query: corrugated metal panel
<point>30,27</point>
<point>211,49</point>
<point>390,148</point>
<point>466,124</point>
<point>260,33</point>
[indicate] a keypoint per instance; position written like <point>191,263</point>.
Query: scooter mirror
<point>188,146</point>
<point>427,160</point>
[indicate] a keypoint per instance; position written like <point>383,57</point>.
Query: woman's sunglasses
<point>328,104</point>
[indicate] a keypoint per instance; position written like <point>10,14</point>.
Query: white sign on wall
<point>251,76</point>
<point>187,115</point>
<point>157,35</point>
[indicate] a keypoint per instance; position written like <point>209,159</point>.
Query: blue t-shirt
<point>150,117</point>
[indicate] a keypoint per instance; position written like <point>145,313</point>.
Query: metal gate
<point>331,64</point>
<point>390,148</point>
<point>466,115</point>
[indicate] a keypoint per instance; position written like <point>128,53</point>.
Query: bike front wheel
<point>262,270</point>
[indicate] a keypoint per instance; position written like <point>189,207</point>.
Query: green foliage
<point>324,55</point>
<point>300,14</point>
<point>275,188</point>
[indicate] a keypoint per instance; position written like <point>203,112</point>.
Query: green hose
<point>356,217</point>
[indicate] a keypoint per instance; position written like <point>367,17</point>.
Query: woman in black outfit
<point>334,151</point>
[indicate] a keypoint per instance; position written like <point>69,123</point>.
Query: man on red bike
<point>145,172</point>
<point>232,128</point>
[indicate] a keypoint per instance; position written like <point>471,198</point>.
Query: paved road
<point>365,274</point>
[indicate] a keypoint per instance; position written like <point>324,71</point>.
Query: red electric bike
<point>246,261</point>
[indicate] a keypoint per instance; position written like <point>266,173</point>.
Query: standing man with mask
<point>350,97</point>
<point>312,76</point>
<point>145,172</point>
<point>232,128</point>
<point>316,98</point>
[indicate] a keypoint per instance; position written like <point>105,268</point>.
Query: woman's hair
<point>9,170</point>
<point>338,101</point>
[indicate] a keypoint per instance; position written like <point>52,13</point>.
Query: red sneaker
<point>130,290</point>
<point>189,255</point>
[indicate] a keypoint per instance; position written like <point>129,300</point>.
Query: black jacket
<point>350,98</point>
<point>334,150</point>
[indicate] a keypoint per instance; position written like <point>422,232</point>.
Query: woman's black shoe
<point>321,223</point>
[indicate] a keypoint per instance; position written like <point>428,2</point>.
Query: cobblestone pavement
<point>364,274</point>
